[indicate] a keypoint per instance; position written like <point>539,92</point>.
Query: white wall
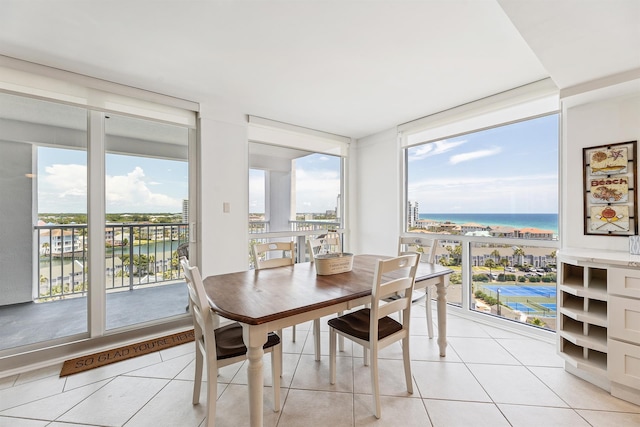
<point>223,162</point>
<point>598,117</point>
<point>375,195</point>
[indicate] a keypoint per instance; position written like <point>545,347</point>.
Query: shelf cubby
<point>597,278</point>
<point>582,311</point>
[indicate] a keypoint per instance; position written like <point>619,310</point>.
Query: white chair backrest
<point>400,284</point>
<point>314,247</point>
<point>333,241</point>
<point>263,252</point>
<point>426,246</point>
<point>199,306</point>
<point>329,243</point>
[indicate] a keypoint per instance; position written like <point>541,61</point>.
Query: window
<point>296,183</point>
<point>499,182</point>
<point>484,181</point>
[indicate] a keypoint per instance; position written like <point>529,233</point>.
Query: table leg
<point>441,289</point>
<point>254,338</point>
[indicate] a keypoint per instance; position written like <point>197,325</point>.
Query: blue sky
<point>500,170</point>
<point>134,184</point>
<point>146,185</point>
<point>509,169</point>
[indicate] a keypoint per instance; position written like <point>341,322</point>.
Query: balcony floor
<point>28,323</point>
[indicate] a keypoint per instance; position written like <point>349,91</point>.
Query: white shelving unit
<point>582,330</point>
<point>599,318</point>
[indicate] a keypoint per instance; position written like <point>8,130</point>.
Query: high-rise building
<point>185,210</point>
<point>413,214</point>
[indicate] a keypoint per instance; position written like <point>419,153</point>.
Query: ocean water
<point>540,221</point>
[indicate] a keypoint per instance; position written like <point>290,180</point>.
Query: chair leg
<point>279,332</point>
<point>375,384</point>
<point>429,311</point>
<point>276,373</point>
<point>341,338</point>
<point>294,334</point>
<point>197,383</point>
<point>407,364</point>
<point>316,338</point>
<point>212,390</point>
<point>365,355</point>
<point>332,356</point>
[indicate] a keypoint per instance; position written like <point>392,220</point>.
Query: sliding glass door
<point>94,208</point>
<point>43,188</point>
<point>146,188</point>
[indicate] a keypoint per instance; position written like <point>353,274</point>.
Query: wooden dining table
<point>271,299</point>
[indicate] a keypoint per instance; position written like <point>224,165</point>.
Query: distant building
<point>413,214</point>
<point>57,241</point>
<point>185,210</point>
<point>502,231</point>
<point>521,233</point>
<point>470,227</point>
<point>534,233</point>
<point>428,224</point>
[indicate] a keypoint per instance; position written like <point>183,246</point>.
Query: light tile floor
<point>490,377</point>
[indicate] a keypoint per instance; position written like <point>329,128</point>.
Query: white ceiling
<point>348,67</point>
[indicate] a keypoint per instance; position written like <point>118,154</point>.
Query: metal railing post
<point>132,237</point>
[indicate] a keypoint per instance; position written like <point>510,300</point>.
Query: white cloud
<point>434,149</point>
<point>526,193</point>
<point>124,193</point>
<point>67,181</point>
<point>132,192</point>
<point>317,191</point>
<point>473,155</point>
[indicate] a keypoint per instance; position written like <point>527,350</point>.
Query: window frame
<point>489,107</point>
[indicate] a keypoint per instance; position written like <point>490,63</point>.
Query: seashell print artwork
<point>609,161</point>
<point>613,189</point>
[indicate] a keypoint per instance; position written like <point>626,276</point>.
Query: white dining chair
<point>221,346</point>
<point>427,248</point>
<point>373,327</point>
<point>274,254</point>
<point>322,245</point>
<point>327,243</point>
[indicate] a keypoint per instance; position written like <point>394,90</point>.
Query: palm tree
<point>490,264</point>
<point>519,252</point>
<point>495,254</point>
<point>455,252</point>
<point>553,255</point>
<point>504,262</point>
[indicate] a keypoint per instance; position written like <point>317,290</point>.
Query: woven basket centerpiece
<point>333,263</point>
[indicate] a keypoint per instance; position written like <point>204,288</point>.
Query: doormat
<point>119,354</point>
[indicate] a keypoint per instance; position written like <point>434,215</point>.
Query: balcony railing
<point>314,225</point>
<point>299,231</point>
<point>258,227</point>
<point>136,255</point>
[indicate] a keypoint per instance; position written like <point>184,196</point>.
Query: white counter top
<point>601,256</point>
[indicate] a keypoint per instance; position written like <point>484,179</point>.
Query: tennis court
<point>531,300</point>
<point>522,291</point>
<point>521,307</point>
